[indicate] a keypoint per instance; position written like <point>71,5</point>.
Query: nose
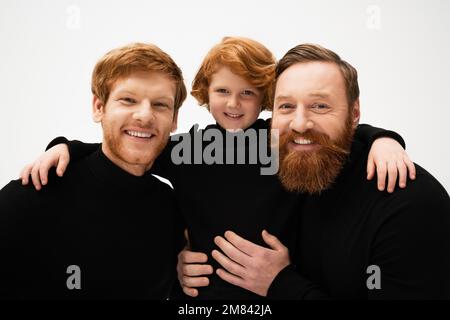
<point>301,121</point>
<point>144,113</point>
<point>233,102</point>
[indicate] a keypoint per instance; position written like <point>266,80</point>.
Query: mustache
<point>316,137</point>
<point>149,127</point>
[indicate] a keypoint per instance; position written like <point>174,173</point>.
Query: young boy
<point>235,82</point>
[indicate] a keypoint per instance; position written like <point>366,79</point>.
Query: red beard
<point>313,171</point>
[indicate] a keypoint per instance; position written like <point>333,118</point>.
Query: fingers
<point>381,175</point>
<point>25,174</point>
<point>62,165</point>
<point>231,251</point>
<point>394,169</point>
<point>231,278</point>
<point>187,256</point>
<point>189,273</point>
<point>194,282</point>
<point>188,284</point>
<point>272,241</point>
<point>35,176</point>
<point>392,176</point>
<point>370,168</point>
<point>411,167</point>
<point>402,174</point>
<point>228,264</point>
<point>43,172</point>
<point>240,243</point>
<point>190,291</point>
<point>195,270</point>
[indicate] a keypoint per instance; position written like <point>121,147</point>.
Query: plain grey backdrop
<point>48,50</point>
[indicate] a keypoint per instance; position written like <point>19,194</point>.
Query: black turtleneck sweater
<point>220,197</point>
<point>122,231</point>
<point>351,226</point>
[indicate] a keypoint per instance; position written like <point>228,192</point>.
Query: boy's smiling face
<point>233,101</point>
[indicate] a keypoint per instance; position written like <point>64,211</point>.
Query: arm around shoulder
<point>412,244</point>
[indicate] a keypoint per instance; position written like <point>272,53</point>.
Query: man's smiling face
<point>315,122</point>
<point>137,119</point>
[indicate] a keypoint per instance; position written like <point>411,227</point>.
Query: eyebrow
<point>171,99</point>
<point>282,97</point>
<point>125,91</point>
<point>251,87</point>
<point>320,95</point>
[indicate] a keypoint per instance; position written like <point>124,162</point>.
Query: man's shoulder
<point>16,200</point>
<point>424,199</point>
<point>14,190</point>
<point>24,195</point>
<point>16,195</point>
<point>425,188</point>
<point>76,171</point>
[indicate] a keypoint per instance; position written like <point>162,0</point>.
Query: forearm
<point>368,134</point>
<point>290,285</point>
<point>77,149</point>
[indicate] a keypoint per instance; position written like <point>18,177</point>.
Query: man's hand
<point>191,268</point>
<point>248,265</point>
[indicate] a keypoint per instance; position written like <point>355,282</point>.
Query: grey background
<point>48,49</point>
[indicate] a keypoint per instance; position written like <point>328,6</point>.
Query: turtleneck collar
<point>110,173</point>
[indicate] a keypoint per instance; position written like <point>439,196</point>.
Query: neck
<point>137,170</point>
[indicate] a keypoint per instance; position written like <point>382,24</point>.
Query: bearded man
<point>353,241</point>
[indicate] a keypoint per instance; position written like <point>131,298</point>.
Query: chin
<point>139,157</point>
<point>235,126</point>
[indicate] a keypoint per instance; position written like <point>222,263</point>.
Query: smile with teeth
<point>233,115</point>
<point>139,134</point>
<point>302,141</point>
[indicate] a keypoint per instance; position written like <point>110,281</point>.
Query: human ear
<point>98,109</point>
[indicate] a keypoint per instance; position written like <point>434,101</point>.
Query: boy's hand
<point>387,156</point>
<point>57,156</point>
